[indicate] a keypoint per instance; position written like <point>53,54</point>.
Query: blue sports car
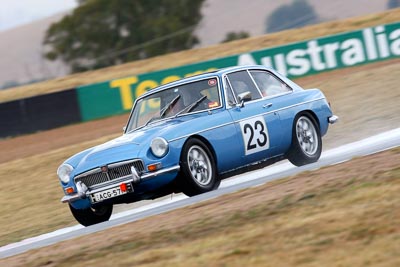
<point>187,135</point>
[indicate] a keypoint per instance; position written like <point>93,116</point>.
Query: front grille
<point>115,171</point>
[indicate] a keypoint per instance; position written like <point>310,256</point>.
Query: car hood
<point>126,147</point>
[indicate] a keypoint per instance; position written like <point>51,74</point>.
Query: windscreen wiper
<point>167,106</point>
<point>164,109</point>
<point>191,106</point>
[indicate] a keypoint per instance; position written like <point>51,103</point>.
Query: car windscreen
<point>178,100</point>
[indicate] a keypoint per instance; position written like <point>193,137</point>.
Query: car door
<point>278,97</point>
<point>256,124</point>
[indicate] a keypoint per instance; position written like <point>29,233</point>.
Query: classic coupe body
<point>187,135</point>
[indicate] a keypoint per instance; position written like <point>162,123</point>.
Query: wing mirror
<point>243,97</point>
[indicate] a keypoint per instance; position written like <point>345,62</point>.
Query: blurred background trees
<point>298,14</point>
<point>76,41</point>
<point>101,33</point>
<point>232,36</point>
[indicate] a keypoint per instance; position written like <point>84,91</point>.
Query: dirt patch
<point>41,142</point>
<point>339,215</point>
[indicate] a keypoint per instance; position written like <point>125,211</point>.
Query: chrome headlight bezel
<point>64,172</point>
<point>159,147</point>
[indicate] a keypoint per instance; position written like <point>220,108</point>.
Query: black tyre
<point>306,141</point>
<point>91,216</point>
<point>198,170</point>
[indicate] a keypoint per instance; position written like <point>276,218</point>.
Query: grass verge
<point>30,198</point>
<point>342,215</point>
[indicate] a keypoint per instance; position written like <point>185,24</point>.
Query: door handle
<point>267,105</point>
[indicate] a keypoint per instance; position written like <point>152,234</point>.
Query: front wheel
<point>91,216</point>
<point>306,141</point>
<point>198,169</point>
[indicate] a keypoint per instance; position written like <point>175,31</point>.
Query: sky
<point>14,13</point>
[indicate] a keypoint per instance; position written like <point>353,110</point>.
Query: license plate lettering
<point>109,193</point>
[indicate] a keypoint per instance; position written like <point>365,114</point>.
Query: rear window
<point>268,84</point>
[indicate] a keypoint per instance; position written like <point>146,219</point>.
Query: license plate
<point>109,193</point>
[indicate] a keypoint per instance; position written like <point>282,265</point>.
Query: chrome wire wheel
<point>307,136</point>
<point>199,165</point>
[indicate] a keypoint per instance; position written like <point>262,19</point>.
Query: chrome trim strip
<point>333,119</point>
<point>211,128</point>
<point>280,109</point>
<point>162,171</point>
<point>112,182</point>
<point>278,95</point>
<point>92,171</point>
<point>255,84</point>
<point>71,198</point>
<point>226,82</point>
<point>117,164</point>
<point>109,186</point>
<point>233,122</point>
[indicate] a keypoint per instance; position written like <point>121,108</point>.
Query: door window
<point>241,82</point>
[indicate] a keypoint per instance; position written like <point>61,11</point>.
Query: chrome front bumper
<point>333,119</point>
<point>84,192</point>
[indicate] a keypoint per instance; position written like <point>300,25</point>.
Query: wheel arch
<point>186,182</point>
<point>295,154</point>
<point>308,113</point>
<point>207,143</point>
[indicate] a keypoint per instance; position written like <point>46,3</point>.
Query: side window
<point>268,84</point>
<point>241,82</point>
<point>229,94</point>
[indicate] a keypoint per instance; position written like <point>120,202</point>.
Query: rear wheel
<point>198,169</point>
<point>91,216</point>
<point>306,141</point>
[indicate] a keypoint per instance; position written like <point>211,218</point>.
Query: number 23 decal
<point>255,135</point>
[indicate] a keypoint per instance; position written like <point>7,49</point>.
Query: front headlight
<point>64,172</point>
<point>159,147</point>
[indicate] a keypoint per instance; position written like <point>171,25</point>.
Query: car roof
<point>204,75</point>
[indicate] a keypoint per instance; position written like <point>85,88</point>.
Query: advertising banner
<point>292,60</point>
